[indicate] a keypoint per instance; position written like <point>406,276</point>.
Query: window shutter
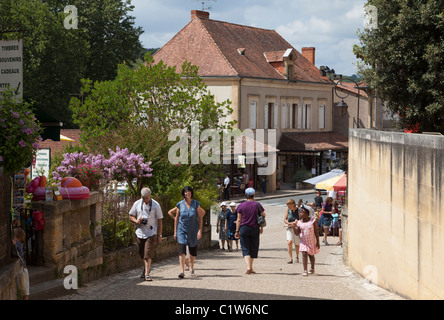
<point>266,116</point>
<point>275,115</point>
<point>253,115</point>
<point>321,117</point>
<point>291,117</point>
<point>284,116</point>
<point>300,115</point>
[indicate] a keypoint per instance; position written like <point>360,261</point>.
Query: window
<point>322,110</point>
<point>304,116</point>
<point>293,114</point>
<point>270,115</point>
<point>253,115</point>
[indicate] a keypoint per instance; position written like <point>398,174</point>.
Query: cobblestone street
<point>220,275</point>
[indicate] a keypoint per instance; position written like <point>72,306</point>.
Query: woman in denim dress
<point>188,228</point>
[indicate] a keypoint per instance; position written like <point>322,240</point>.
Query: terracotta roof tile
<point>312,141</point>
<point>213,46</point>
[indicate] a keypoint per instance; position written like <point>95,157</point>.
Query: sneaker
<point>305,273</point>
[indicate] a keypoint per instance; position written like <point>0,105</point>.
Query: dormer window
<point>283,61</point>
<point>241,51</point>
<point>289,58</point>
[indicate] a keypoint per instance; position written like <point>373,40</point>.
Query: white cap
<point>232,204</point>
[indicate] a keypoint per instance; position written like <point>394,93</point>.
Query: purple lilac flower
<point>22,143</point>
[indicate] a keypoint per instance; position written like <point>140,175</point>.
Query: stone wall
<point>5,218</point>
<point>72,234</point>
<point>395,212</point>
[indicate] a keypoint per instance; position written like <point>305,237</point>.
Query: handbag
<point>260,218</point>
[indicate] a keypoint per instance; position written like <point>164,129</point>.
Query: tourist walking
<point>226,187</point>
<point>247,228</point>
<point>221,225</point>
<point>19,238</point>
<point>291,217</point>
<point>318,200</point>
<point>327,211</point>
<point>307,230</point>
<point>231,227</point>
<point>188,228</point>
<point>146,213</point>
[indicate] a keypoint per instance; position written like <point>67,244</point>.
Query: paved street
<point>221,275</point>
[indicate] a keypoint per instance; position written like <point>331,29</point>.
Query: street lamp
<point>338,80</point>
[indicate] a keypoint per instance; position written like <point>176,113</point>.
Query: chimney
<point>309,54</point>
<point>199,14</point>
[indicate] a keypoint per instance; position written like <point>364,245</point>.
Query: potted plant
<point>299,176</point>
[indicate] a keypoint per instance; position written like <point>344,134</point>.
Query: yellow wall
<point>395,224</point>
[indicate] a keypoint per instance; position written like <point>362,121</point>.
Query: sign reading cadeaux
<point>42,163</point>
<point>11,66</point>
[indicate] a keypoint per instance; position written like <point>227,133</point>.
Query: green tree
<point>56,58</point>
<point>137,111</point>
<point>152,95</point>
<point>402,60</point>
<point>53,57</point>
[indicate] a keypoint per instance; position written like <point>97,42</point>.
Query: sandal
<point>311,271</point>
<point>305,273</point>
<point>192,273</point>
<point>297,260</point>
<point>148,278</point>
<point>181,276</point>
<point>290,261</point>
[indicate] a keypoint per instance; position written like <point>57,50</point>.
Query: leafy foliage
<point>56,58</point>
<point>402,60</point>
<point>19,134</point>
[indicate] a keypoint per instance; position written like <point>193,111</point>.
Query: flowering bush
<point>120,166</point>
<point>19,133</point>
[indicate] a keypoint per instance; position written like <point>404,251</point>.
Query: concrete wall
<point>395,222</point>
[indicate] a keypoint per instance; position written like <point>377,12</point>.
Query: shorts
<point>147,246</point>
<point>249,240</point>
<point>326,222</point>
<point>23,280</point>
<point>291,236</point>
<point>186,250</point>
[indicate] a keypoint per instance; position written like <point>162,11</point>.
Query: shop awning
<point>311,141</point>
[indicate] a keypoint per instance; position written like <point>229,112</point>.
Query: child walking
<point>307,229</point>
<point>23,278</point>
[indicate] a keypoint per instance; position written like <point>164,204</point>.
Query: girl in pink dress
<point>307,229</point>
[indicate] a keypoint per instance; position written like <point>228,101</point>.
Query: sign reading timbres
<point>11,66</point>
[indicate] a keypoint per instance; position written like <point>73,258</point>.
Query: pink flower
<point>22,143</point>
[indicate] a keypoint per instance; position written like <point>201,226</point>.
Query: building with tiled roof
<point>271,85</point>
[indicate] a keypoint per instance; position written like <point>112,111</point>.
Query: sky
<point>328,25</point>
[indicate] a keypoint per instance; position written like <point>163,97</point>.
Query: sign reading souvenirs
<point>11,66</point>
